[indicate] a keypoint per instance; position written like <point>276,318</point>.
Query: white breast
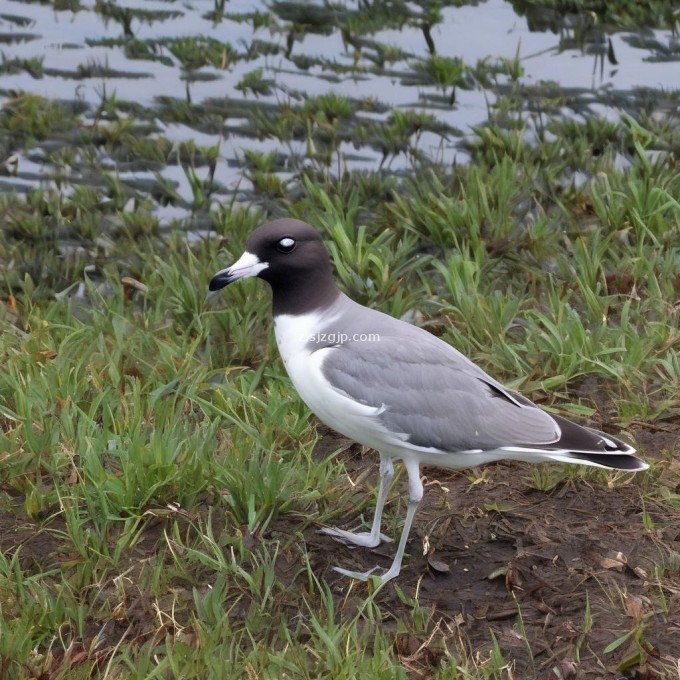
<point>303,360</point>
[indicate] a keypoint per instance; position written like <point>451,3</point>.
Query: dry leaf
<point>512,578</point>
<point>618,563</point>
<point>129,282</point>
<point>44,355</point>
<point>638,606</point>
<point>640,572</point>
<point>438,565</point>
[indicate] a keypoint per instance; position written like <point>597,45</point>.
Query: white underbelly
<point>303,364</point>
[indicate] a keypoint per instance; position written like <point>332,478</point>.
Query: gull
<point>395,387</point>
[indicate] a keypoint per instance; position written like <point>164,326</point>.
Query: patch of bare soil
<point>557,576</point>
<point>43,547</point>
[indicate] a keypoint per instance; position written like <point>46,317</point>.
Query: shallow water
<point>598,71</point>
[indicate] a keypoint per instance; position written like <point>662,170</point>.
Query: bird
<point>396,388</point>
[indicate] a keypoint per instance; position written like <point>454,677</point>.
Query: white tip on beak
<point>246,266</point>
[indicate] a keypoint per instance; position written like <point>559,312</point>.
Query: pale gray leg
<point>372,538</point>
<point>415,495</point>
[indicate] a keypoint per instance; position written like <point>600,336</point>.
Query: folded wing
<point>433,397</point>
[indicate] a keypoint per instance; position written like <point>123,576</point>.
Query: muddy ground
<point>500,548</point>
<point>555,575</point>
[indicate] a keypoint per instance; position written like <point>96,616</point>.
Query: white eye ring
<point>286,245</point>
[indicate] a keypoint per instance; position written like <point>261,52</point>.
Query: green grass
<point>155,443</point>
<point>160,481</point>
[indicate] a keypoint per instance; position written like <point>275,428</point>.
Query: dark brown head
<point>291,257</point>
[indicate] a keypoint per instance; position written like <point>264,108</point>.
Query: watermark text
<point>339,338</point>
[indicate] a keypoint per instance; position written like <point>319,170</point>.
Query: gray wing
<point>433,396</point>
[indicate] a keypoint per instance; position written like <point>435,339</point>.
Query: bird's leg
<point>372,538</point>
<point>415,495</point>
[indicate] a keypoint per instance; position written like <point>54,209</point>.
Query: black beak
<point>220,280</point>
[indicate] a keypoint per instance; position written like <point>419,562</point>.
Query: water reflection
<point>157,84</point>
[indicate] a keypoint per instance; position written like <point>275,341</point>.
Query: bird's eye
<point>286,245</point>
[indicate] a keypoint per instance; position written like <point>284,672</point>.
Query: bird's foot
<point>367,575</point>
<point>363,539</point>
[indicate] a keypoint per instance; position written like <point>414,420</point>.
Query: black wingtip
<point>615,461</point>
<point>577,438</point>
